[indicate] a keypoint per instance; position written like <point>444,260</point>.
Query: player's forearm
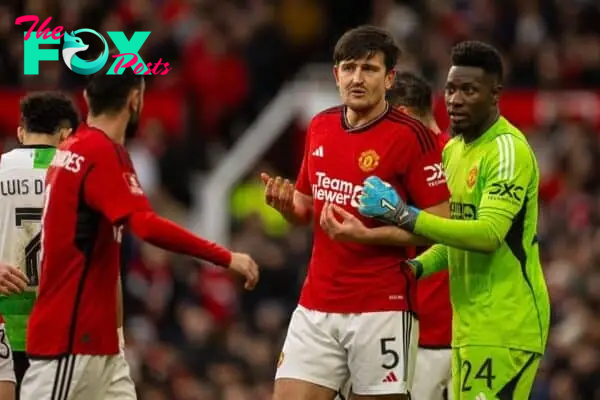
<point>302,212</point>
<point>169,236</point>
<point>394,236</point>
<point>433,260</point>
<point>299,216</point>
<point>485,234</point>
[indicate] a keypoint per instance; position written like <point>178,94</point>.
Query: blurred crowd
<point>192,333</point>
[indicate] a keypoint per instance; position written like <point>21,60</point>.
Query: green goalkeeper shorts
<point>490,373</point>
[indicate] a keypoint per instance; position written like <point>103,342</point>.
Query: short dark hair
<point>472,53</point>
<point>411,90</point>
<point>48,112</point>
<point>109,93</point>
<point>365,41</point>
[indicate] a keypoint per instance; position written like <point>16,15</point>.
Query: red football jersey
<point>351,277</point>
<point>433,300</point>
<point>91,188</point>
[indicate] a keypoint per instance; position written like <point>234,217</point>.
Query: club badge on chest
<point>368,160</point>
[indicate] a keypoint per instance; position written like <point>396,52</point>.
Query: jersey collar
<point>36,146</point>
<point>357,129</point>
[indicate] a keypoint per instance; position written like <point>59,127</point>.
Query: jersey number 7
<point>31,218</point>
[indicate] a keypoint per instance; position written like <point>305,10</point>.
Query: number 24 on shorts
<point>484,373</point>
<point>509,376</point>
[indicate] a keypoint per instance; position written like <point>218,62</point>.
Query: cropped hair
<point>480,55</point>
<point>48,112</point>
<point>366,41</point>
<point>108,93</point>
<point>411,90</point>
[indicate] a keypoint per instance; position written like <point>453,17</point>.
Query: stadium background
<point>252,73</point>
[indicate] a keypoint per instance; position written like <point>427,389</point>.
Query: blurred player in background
<point>355,319</point>
<point>499,297</point>
<point>433,373</point>
<point>92,192</point>
<point>46,119</point>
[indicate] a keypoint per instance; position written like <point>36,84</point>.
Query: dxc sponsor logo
<point>436,174</point>
<point>128,48</point>
<point>509,191</point>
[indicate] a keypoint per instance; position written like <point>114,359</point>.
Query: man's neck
<point>40,139</point>
<point>427,120</point>
<point>431,124</point>
<point>359,118</point>
<point>483,128</point>
<point>113,126</point>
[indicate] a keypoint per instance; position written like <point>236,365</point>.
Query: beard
<point>132,125</point>
<point>454,131</point>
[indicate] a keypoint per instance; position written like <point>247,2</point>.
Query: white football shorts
<point>79,377</point>
<point>374,353</point>
<point>433,374</point>
<point>7,368</point>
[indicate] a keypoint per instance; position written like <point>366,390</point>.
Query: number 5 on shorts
<point>391,356</point>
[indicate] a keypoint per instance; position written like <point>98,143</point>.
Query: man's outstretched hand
<point>12,280</point>
<point>279,193</point>
<point>244,265</point>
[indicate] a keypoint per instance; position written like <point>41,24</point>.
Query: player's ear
<point>134,99</point>
<point>335,75</point>
<point>496,90</point>
<point>64,133</point>
<point>403,109</point>
<point>389,79</point>
<point>20,134</point>
<point>141,96</point>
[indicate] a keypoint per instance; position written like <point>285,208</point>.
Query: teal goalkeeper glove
<point>381,201</point>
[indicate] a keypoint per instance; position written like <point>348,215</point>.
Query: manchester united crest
<point>368,160</point>
<point>472,177</point>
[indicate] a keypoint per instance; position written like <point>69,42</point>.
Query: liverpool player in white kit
<point>46,119</point>
<point>355,319</point>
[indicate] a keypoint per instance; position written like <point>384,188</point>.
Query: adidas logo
<point>391,377</point>
<point>318,152</point>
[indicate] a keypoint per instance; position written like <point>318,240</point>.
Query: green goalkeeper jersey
<point>497,287</point>
<point>22,176</point>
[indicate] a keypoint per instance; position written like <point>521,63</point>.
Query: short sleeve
<point>112,188</point>
<point>303,181</point>
<point>424,178</point>
<point>507,172</point>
